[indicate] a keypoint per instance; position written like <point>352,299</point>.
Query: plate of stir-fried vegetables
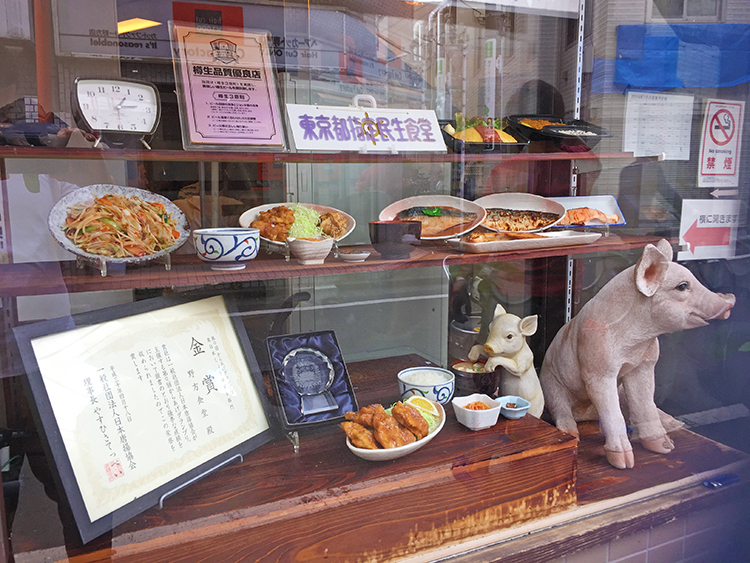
<point>119,224</point>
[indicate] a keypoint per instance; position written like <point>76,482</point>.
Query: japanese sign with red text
<point>720,144</point>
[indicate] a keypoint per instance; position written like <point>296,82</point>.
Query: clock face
<point>122,106</point>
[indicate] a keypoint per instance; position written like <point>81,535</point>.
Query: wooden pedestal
<point>462,491</point>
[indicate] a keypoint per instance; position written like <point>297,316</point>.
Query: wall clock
<point>122,112</point>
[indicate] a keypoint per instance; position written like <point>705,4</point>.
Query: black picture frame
<point>58,449</point>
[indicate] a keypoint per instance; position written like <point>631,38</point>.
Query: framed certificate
<point>138,401</point>
<point>226,85</point>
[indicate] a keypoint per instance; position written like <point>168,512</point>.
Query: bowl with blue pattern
<point>226,248</point>
<point>431,382</point>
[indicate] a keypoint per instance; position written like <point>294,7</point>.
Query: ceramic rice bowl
<point>433,383</point>
<point>226,248</point>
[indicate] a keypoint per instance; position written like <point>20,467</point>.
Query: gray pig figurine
<point>506,347</point>
<point>611,347</point>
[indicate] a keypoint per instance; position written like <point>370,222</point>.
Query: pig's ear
<point>651,270</point>
<point>529,324</point>
<point>665,248</point>
<point>498,311</point>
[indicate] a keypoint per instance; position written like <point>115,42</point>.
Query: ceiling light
<point>135,24</point>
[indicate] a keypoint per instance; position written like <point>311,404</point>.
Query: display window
<point>391,281</point>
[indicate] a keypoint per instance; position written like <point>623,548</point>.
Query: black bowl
<point>395,240</point>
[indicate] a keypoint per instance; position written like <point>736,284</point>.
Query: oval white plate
<point>59,212</point>
<point>548,240</point>
<point>395,453</point>
<point>252,214</point>
<point>525,202</point>
<point>390,212</point>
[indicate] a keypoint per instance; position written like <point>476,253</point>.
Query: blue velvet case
<point>290,402</point>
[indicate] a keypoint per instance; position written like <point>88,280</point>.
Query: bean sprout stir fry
<point>121,226</point>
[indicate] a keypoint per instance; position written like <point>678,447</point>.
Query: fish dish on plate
<point>438,221</point>
<point>441,216</point>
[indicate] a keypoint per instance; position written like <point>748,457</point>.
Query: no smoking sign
<point>722,127</point>
<point>720,144</point>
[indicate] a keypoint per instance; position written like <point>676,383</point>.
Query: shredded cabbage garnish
<point>305,222</point>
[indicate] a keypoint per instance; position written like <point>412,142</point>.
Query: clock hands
<point>120,105</point>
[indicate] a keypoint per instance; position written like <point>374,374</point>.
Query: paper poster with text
<point>720,144</point>
<point>227,89</point>
<point>708,228</point>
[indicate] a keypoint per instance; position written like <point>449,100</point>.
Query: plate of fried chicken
<point>375,433</point>
<point>275,221</point>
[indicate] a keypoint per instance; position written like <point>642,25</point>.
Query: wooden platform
<point>458,491</point>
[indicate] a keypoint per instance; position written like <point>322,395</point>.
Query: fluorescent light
<point>135,24</point>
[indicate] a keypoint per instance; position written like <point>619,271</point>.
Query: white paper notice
<point>658,123</point>
<point>142,400</point>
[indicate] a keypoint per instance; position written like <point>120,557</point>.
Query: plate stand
<point>98,263</point>
<point>101,263</point>
<point>196,478</point>
<point>293,437</point>
<point>166,260</point>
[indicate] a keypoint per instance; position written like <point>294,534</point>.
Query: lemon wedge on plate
<point>422,404</point>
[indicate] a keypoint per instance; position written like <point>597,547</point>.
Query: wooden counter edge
<point>596,523</point>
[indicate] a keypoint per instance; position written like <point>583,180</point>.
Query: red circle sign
<point>721,128</point>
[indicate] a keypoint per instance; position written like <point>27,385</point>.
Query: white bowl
<point>353,254</point>
<point>388,454</point>
<point>433,383</point>
<point>310,251</point>
<point>476,419</point>
<point>226,248</point>
<point>521,408</point>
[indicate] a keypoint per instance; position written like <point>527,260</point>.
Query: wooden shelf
<point>460,493</point>
<point>188,271</point>
<point>295,157</point>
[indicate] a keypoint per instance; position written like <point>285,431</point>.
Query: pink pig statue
<point>506,347</point>
<point>606,354</point>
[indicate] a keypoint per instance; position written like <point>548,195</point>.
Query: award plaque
<point>310,379</point>
<point>311,374</point>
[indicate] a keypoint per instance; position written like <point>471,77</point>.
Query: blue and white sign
<point>353,128</point>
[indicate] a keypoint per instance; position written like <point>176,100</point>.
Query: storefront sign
<point>136,406</point>
<point>81,31</point>
<point>350,128</point>
<point>720,144</point>
<point>227,89</point>
<point>708,228</point>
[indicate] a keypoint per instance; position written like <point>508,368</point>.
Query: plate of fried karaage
<point>385,434</point>
<point>275,220</point>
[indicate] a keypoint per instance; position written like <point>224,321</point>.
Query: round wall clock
<point>122,112</point>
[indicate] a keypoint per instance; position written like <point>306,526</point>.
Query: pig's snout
<point>729,300</point>
<point>490,349</point>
